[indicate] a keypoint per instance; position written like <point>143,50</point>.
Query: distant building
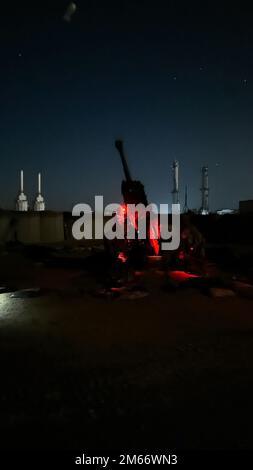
<point>246,207</point>
<point>225,211</point>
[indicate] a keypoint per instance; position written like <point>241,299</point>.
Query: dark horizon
<point>173,79</point>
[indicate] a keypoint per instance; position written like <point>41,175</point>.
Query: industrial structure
<point>39,204</point>
<point>22,202</point>
<point>186,200</point>
<point>175,174</point>
<point>204,209</point>
<point>205,192</point>
<point>31,226</point>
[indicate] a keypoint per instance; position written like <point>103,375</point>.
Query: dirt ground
<point>167,371</point>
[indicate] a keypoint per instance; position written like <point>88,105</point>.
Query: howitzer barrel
<point>119,146</point>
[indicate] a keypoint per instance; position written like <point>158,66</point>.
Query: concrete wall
<point>28,228</point>
<point>6,227</point>
<point>51,227</point>
<point>31,227</point>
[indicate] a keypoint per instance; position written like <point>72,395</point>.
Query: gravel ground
<point>171,370</point>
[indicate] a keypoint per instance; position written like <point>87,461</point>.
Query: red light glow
<point>122,257</point>
<point>181,276</point>
<point>181,255</point>
<point>154,229</point>
<point>154,235</point>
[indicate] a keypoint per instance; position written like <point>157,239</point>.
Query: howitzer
<point>133,192</point>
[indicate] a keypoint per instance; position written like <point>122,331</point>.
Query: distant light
<point>225,211</point>
<point>8,308</point>
<point>4,301</point>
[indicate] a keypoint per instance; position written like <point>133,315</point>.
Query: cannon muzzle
<point>120,147</point>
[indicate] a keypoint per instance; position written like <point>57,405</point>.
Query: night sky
<point>173,78</point>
